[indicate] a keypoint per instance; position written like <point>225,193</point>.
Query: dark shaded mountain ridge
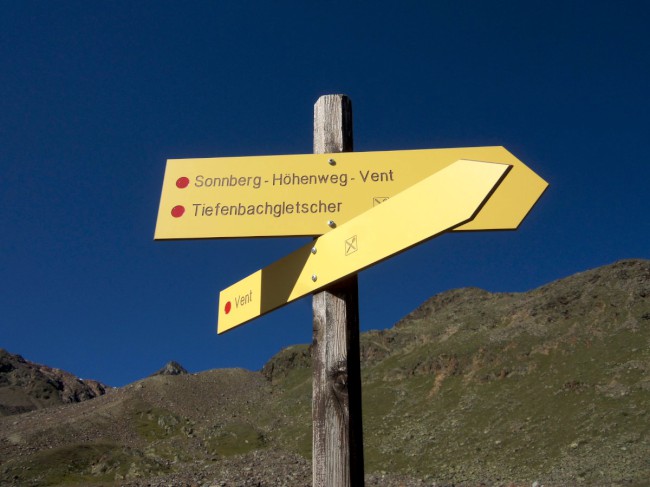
<point>26,386</point>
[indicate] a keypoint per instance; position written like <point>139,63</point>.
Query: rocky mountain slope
<point>550,386</point>
<point>26,386</point>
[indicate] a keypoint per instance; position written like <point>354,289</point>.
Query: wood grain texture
<point>333,124</point>
<point>336,397</point>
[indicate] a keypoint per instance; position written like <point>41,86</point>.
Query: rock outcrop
<point>171,368</point>
<point>26,386</point>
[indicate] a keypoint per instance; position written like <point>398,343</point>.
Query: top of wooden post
<point>333,124</point>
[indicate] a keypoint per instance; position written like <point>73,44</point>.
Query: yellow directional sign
<point>310,194</point>
<point>449,198</point>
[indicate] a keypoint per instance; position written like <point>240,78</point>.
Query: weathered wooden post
<point>336,397</point>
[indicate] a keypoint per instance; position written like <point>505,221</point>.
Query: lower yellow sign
<point>443,201</point>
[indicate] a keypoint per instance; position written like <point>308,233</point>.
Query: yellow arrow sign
<point>312,193</point>
<point>451,197</point>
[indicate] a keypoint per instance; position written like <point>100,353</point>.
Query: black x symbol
<point>378,200</point>
<point>351,245</point>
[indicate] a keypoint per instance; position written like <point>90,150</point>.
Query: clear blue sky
<point>95,96</point>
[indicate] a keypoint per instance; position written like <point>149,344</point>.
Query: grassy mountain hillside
<point>553,384</point>
<point>549,386</point>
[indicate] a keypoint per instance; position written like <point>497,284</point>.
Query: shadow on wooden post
<point>336,397</point>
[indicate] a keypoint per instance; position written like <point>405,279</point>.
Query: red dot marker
<point>182,182</point>
<point>228,307</point>
<point>177,211</point>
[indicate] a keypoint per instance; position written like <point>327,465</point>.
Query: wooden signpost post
<point>337,438</point>
<point>363,208</point>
